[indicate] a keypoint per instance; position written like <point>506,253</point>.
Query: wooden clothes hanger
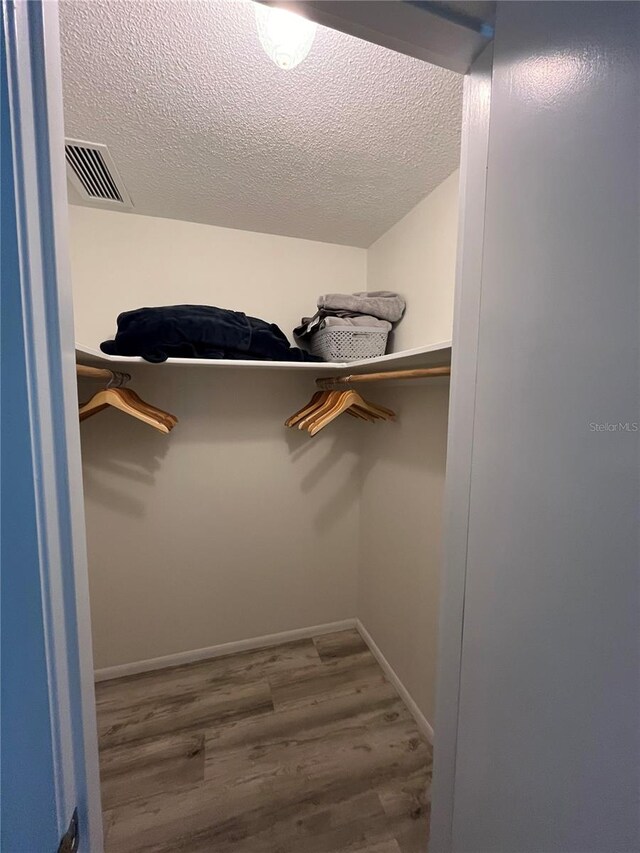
<point>130,403</point>
<point>344,402</point>
<point>326,406</point>
<point>318,398</point>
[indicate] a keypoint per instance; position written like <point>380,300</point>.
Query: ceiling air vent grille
<point>92,172</point>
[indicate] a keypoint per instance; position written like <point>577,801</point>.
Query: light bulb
<point>285,36</point>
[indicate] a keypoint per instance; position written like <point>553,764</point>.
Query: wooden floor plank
<point>187,712</point>
<point>347,759</point>
<point>307,749</point>
<point>321,718</point>
<point>337,677</point>
<point>137,770</point>
<point>340,644</point>
<point>241,668</point>
<point>309,829</point>
<point>246,792</point>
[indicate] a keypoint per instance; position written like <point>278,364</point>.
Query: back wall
<point>230,527</point>
<point>121,261</point>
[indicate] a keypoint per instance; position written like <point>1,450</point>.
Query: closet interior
<point>264,535</point>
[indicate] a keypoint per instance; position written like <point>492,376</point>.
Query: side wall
<point>401,533</point>
<point>404,463</point>
<point>417,257</point>
<point>236,526</point>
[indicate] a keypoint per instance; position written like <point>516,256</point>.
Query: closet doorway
<point>264,603</point>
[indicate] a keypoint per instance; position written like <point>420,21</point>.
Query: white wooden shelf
<point>426,356</point>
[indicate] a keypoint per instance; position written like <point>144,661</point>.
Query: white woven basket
<point>335,343</point>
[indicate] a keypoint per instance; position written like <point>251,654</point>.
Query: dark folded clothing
<point>310,325</point>
<point>200,331</point>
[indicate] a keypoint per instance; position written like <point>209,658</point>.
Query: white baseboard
<point>137,667</point>
<point>423,724</point>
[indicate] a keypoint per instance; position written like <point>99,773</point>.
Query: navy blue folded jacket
<point>200,331</point>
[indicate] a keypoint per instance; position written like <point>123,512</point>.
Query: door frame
<point>33,42</point>
<point>37,128</point>
<point>474,157</point>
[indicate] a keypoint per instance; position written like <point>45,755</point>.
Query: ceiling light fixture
<point>285,36</point>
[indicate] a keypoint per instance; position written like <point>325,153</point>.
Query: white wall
<point>404,463</point>
<point>401,533</point>
<point>122,261</point>
<point>417,257</point>
<point>232,526</point>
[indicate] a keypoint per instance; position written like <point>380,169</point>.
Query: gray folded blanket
<point>382,304</point>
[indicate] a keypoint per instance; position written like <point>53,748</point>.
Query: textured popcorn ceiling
<point>204,127</point>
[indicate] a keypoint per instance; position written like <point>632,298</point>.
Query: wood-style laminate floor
<point>299,748</point>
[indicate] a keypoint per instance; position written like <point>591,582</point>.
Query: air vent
<point>91,170</point>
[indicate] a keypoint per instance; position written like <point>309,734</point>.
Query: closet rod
<point>113,377</point>
<point>417,373</point>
